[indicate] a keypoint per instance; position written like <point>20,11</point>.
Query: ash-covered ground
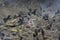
<point>29,19</point>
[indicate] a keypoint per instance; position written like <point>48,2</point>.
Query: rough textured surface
<point>29,20</point>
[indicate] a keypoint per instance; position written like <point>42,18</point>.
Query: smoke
<point>47,3</point>
<point>44,3</point>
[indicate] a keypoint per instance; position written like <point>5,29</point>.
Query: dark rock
<point>34,12</point>
<point>20,21</point>
<point>19,15</point>
<point>53,20</point>
<point>15,16</point>
<point>37,38</point>
<point>42,31</point>
<point>30,10</point>
<point>29,14</point>
<point>38,30</point>
<point>10,26</point>
<point>49,26</point>
<point>4,19</point>
<point>43,10</point>
<point>14,34</point>
<point>27,26</point>
<point>7,18</point>
<point>45,17</point>
<point>34,35</point>
<point>21,38</point>
<point>2,34</point>
<point>58,12</point>
<point>1,38</point>
<point>59,37</point>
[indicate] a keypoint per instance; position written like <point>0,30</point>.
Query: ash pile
<point>30,26</point>
<point>28,20</point>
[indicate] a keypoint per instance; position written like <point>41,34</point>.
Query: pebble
<point>45,17</point>
<point>2,34</point>
<point>14,34</point>
<point>59,37</point>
